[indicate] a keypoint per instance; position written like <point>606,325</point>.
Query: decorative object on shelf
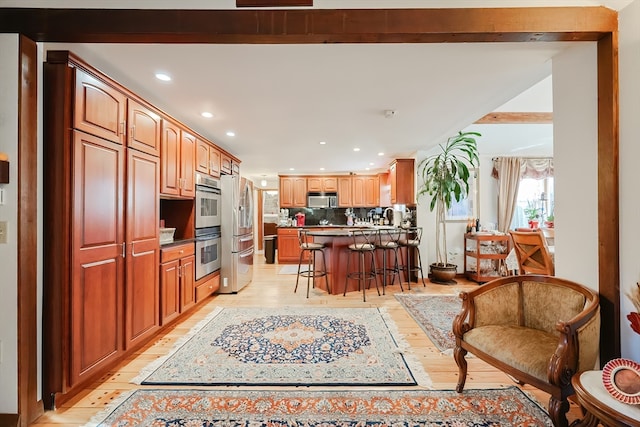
<point>621,379</point>
<point>446,177</point>
<point>533,214</point>
<point>166,235</point>
<point>549,222</point>
<point>350,215</point>
<point>634,317</point>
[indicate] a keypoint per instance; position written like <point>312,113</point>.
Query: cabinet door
<point>214,161</point>
<point>188,282</point>
<point>344,192</point>
<point>170,182</point>
<point>97,286</point>
<point>288,248</point>
<point>393,173</point>
<point>358,191</point>
<point>143,206</point>
<point>100,110</point>
<point>187,165</point>
<point>402,181</point>
<point>202,156</point>
<point>169,291</point>
<point>286,192</point>
<point>329,184</point>
<point>143,127</point>
<point>314,184</point>
<point>299,192</point>
<point>225,164</point>
<point>372,191</point>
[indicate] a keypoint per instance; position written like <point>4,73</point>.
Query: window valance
<point>535,167</point>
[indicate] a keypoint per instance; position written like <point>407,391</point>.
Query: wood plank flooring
<point>268,290</point>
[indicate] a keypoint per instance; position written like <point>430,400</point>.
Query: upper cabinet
<point>344,191</point>
<point>100,109</point>
<point>322,184</point>
<point>143,128</point>
<point>226,164</point>
<point>293,191</point>
<point>401,178</point>
<point>177,161</point>
<point>207,158</point>
<point>365,191</point>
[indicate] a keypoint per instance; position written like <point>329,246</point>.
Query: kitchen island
<point>337,241</point>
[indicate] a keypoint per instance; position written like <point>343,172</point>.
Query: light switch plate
<point>3,231</point>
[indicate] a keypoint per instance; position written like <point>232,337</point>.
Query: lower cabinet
<point>206,286</point>
<point>177,279</point>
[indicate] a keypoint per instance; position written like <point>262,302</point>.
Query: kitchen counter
<point>176,243</point>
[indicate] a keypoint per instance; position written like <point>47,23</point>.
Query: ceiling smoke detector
<point>389,114</point>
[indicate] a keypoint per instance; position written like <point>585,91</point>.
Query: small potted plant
<point>549,222</point>
<point>533,214</point>
<point>445,178</point>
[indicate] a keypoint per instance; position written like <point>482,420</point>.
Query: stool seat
<point>362,247</point>
<point>311,246</point>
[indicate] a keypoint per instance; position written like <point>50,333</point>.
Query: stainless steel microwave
<point>322,200</point>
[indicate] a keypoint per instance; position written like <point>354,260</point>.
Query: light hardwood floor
<point>268,290</point>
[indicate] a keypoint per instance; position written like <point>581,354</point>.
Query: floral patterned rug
<point>489,407</point>
<point>435,316</point>
<point>290,346</point>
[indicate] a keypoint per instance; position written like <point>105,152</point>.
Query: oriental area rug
<point>435,316</point>
<point>289,346</point>
<point>488,407</point>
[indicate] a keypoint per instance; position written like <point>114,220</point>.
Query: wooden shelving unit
<point>485,249</point>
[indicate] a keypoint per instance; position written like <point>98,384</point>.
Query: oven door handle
<point>246,239</point>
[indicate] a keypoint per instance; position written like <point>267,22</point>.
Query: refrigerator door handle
<point>246,239</point>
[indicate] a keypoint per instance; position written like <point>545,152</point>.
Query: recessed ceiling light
<point>231,133</point>
<point>292,169</point>
<point>321,169</point>
<point>323,142</point>
<point>371,164</point>
<point>206,114</point>
<point>356,149</point>
<point>164,77</point>
<point>263,182</point>
<point>367,169</point>
<point>381,154</point>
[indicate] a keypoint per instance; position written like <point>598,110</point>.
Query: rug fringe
<point>97,419</point>
<point>152,366</point>
<point>415,367</point>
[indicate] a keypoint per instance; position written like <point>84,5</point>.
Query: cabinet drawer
<point>207,287</point>
<point>176,252</point>
<point>287,231</point>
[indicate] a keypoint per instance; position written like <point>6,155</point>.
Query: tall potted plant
<point>445,178</point>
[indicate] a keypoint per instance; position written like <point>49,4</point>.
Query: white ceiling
<point>282,100</point>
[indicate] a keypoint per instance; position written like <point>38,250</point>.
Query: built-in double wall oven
<point>207,225</point>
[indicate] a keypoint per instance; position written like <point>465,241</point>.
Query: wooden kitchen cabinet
<point>178,157</point>
<point>289,246</point>
<point>207,286</point>
<point>344,192</point>
<point>100,109</point>
<point>402,180</point>
<point>143,128</point>
<point>226,164</point>
<point>96,289</point>
<point>177,280</point>
<point>142,247</point>
<point>293,191</point>
<point>365,191</point>
<point>322,184</point>
<point>207,158</point>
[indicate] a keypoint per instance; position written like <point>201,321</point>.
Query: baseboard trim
<point>9,420</point>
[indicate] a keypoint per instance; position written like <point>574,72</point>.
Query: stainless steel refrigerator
<point>236,233</point>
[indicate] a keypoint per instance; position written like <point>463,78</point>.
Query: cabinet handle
<point>124,250</point>
<point>121,129</point>
<point>180,271</point>
<point>133,131</point>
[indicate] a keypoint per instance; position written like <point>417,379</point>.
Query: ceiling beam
<point>526,24</point>
<point>515,118</point>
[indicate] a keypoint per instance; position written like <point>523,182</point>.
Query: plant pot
<point>533,223</point>
<point>548,224</point>
<point>443,274</point>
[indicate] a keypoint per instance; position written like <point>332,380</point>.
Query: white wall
<point>629,53</point>
<point>575,134</point>
<point>9,213</point>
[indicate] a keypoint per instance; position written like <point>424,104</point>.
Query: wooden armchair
<point>540,330</point>
<point>532,252</point>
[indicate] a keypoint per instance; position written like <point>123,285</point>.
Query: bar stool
<point>412,241</point>
<point>363,244</point>
<point>387,243</point>
<point>307,246</point>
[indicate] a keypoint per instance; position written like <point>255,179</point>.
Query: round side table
<point>599,405</point>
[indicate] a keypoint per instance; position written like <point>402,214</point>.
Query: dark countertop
<point>176,243</point>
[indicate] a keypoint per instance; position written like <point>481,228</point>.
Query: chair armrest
<point>578,344</point>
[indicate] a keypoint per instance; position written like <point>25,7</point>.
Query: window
<point>537,194</point>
